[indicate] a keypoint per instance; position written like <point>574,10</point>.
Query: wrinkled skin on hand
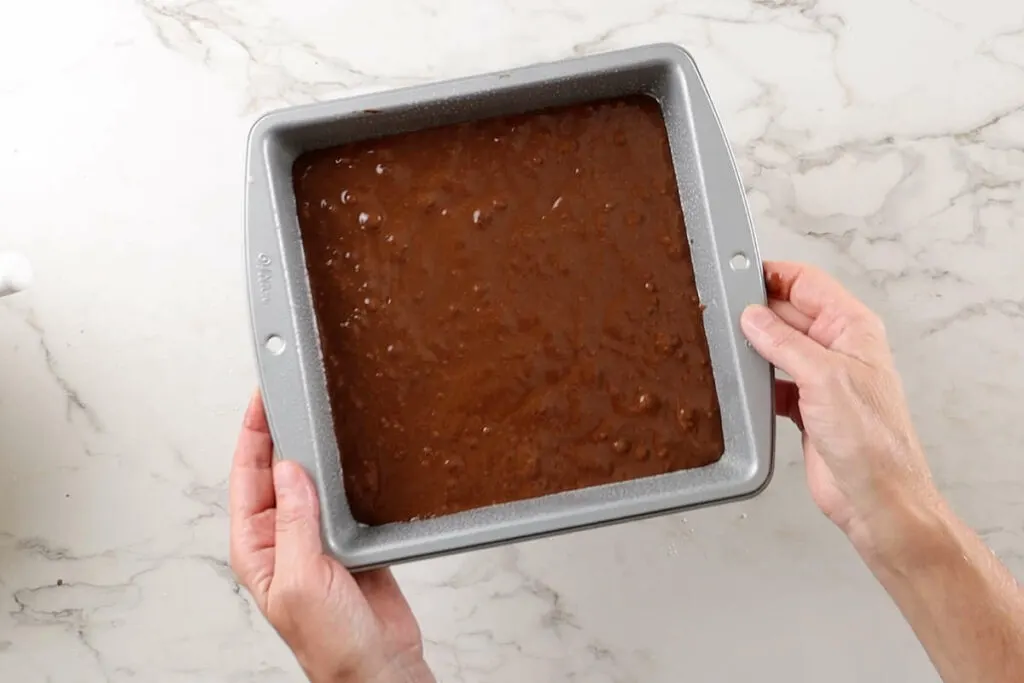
<point>860,448</point>
<point>342,628</point>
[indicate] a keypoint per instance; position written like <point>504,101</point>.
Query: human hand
<point>342,628</point>
<point>862,456</point>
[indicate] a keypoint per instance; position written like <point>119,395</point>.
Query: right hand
<point>862,456</point>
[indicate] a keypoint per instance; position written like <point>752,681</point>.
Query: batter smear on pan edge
<point>507,309</point>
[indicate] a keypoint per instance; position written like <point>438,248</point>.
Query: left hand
<point>342,628</point>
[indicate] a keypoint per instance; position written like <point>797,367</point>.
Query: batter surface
<point>506,309</point>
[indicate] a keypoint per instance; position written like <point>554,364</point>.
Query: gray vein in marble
<point>223,569</point>
<point>213,499</point>
<point>498,614</point>
<point>149,561</point>
<point>599,43</point>
<point>188,28</point>
<point>42,548</point>
<point>1011,308</point>
<point>885,278</point>
<point>79,608</point>
<point>34,610</point>
<point>928,9</point>
<point>75,403</point>
<point>478,651</point>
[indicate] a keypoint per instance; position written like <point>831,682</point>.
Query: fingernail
<point>288,476</point>
<point>255,415</point>
<point>757,317</point>
<point>296,503</point>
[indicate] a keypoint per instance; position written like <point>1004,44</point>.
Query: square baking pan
<point>726,264</point>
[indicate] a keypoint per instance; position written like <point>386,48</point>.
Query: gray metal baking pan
<point>725,258</point>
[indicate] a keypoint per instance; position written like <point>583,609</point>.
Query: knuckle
<point>872,324</point>
<point>834,377</point>
<point>872,340</point>
<point>781,336</point>
<point>865,320</point>
<point>286,519</point>
<point>241,566</point>
<point>812,271</point>
<point>878,325</point>
<point>245,573</point>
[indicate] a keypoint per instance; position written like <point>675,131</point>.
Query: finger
<point>251,484</point>
<point>781,345</point>
<point>791,314</point>
<point>297,530</point>
<point>833,310</point>
<point>252,502</point>
<point>787,402</point>
<point>807,287</point>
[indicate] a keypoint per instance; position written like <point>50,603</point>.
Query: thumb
<point>297,527</point>
<point>782,345</point>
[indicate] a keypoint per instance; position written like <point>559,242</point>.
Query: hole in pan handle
<point>275,345</point>
<point>739,261</point>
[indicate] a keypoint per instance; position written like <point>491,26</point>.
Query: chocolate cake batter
<point>506,309</point>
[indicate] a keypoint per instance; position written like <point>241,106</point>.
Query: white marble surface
<point>879,138</point>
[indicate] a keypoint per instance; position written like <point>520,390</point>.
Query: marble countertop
<point>881,139</point>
